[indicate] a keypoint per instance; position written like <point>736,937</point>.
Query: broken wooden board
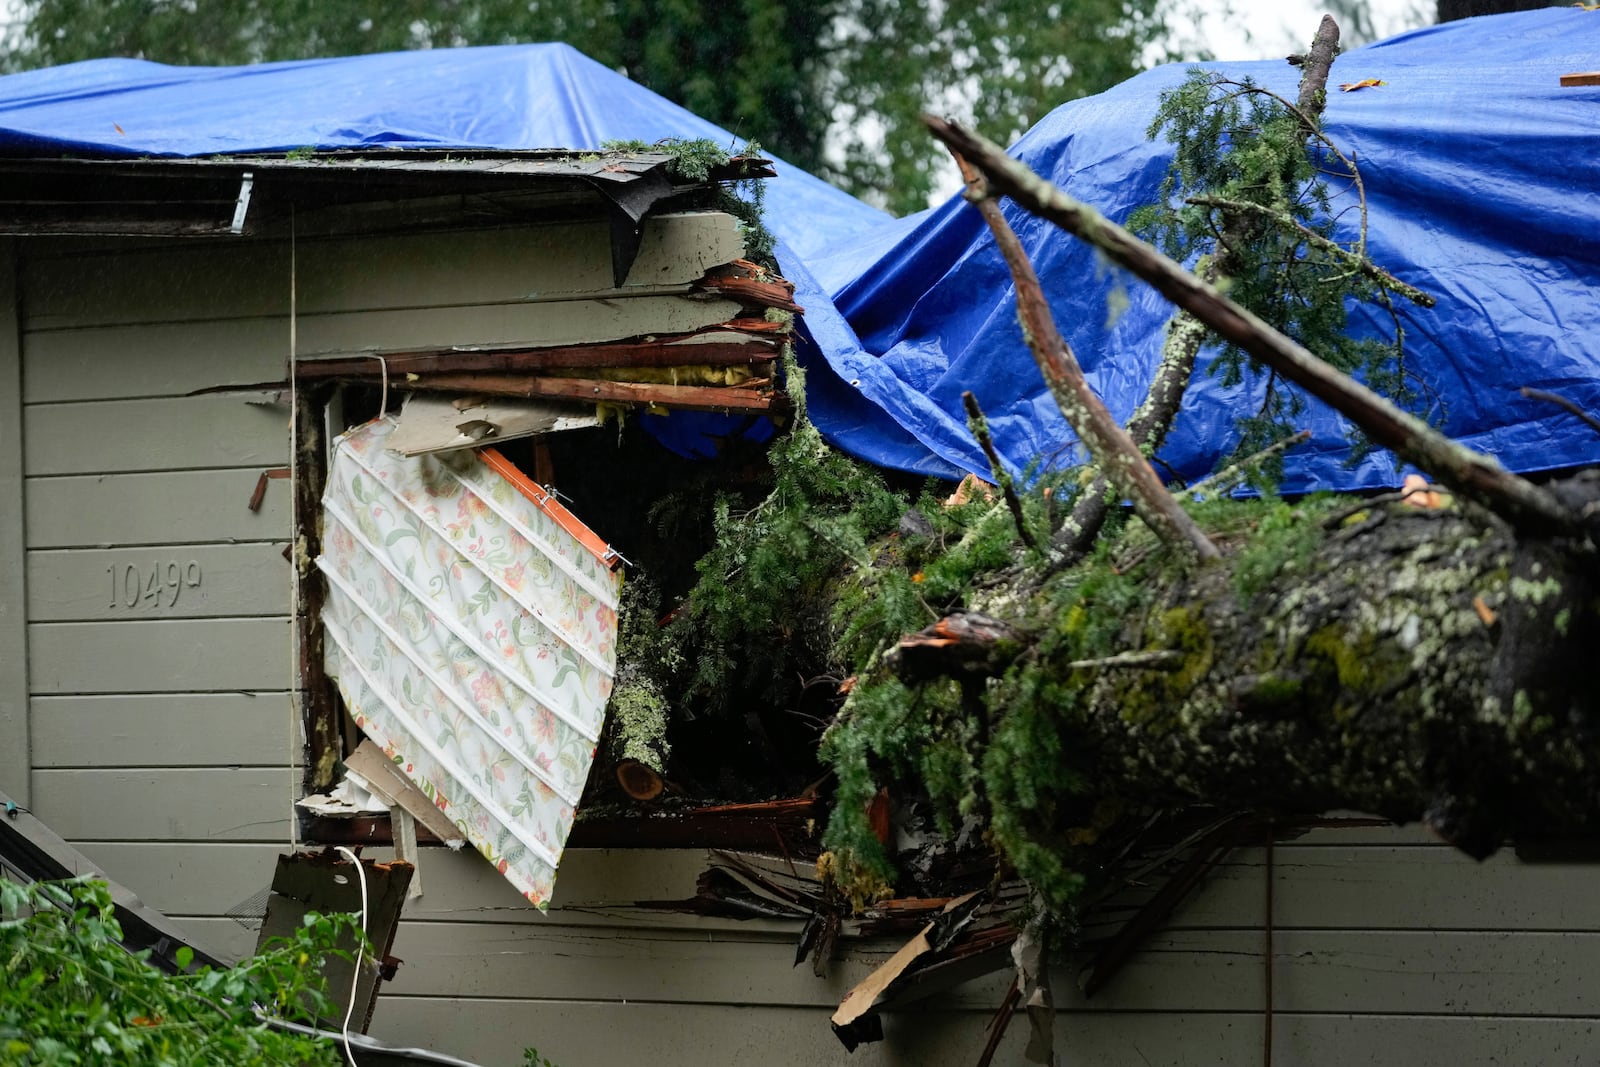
<point>739,341</point>
<point>789,827</point>
<point>325,882</point>
<point>370,763</point>
<point>431,424</point>
<point>855,1021</point>
<point>757,395</point>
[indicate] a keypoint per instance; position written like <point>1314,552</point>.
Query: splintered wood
<point>640,352</point>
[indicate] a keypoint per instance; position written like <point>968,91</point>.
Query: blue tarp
<point>507,97</point>
<point>1483,179</point>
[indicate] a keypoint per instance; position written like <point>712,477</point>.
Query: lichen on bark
<point>1402,662</point>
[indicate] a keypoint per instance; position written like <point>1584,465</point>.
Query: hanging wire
<point>383,364</point>
<point>296,682</point>
<point>361,944</point>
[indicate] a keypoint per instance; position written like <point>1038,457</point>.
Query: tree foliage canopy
<point>834,86</point>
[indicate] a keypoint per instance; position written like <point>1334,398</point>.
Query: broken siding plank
<point>171,281</point>
<point>159,656</point>
<point>191,433</point>
<point>557,323</point>
<point>153,509</point>
<point>684,397</point>
<point>170,359</point>
<point>306,884</point>
<point>486,959</point>
<point>195,581</point>
<point>166,804</point>
<point>165,730</point>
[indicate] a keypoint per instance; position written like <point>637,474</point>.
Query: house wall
<point>159,736</point>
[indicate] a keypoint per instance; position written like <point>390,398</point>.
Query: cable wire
<point>355,978</point>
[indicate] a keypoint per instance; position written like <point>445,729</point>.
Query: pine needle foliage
<point>73,995</point>
<point>762,604</point>
<point>1256,185</point>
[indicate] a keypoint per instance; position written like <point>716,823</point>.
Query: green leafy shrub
<point>73,995</point>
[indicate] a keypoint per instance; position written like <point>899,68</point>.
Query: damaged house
<point>334,449</point>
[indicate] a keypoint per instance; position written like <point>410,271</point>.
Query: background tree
<point>792,74</point>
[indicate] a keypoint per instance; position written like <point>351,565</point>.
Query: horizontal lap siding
<point>676,1035</point>
<point>1353,959</point>
<point>163,734</point>
<point>159,645</point>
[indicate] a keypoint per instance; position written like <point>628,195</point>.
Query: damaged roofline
<point>221,196</point>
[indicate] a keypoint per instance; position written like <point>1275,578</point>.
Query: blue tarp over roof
<point>507,97</point>
<point>1483,178</point>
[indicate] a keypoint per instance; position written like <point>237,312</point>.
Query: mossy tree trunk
<point>1411,663</point>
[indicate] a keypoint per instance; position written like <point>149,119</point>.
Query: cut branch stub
<point>638,780</point>
<point>961,645</point>
<point>1526,506</point>
<point>1118,458</point>
<point>1314,71</point>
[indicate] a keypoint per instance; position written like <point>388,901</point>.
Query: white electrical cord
<point>383,364</point>
<point>355,980</point>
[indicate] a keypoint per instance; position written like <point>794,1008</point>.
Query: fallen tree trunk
<point>1410,663</point>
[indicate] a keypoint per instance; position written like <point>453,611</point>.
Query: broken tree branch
<point>1185,333</point>
<point>1316,240</point>
<point>1119,459</point>
<point>997,1025</point>
<point>1158,660</point>
<point>1224,480</point>
<point>1314,71</point>
<point>980,429</point>
<point>1148,427</point>
<point>1563,403</point>
<point>1478,477</point>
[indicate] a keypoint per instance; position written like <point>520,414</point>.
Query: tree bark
<point>1119,460</point>
<point>1409,663</point>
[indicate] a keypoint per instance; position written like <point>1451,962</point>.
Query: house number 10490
<point>159,586</point>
